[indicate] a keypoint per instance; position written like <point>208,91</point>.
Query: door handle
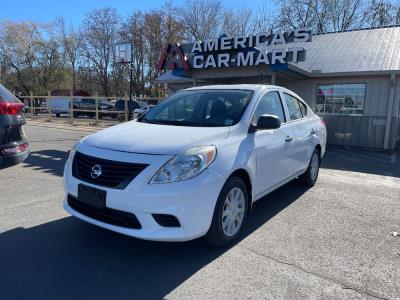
<point>288,138</point>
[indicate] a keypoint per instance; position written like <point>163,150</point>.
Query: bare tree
<point>345,14</point>
<point>32,54</point>
<point>153,24</point>
<point>263,18</point>
<point>238,21</point>
<point>132,31</point>
<point>297,13</point>
<point>173,29</point>
<point>18,50</point>
<point>396,13</point>
<point>71,42</point>
<point>380,13</point>
<point>50,63</point>
<point>100,29</point>
<point>321,15</point>
<point>160,29</point>
<point>201,19</point>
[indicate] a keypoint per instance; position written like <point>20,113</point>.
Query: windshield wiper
<point>181,123</point>
<point>145,120</point>
<point>172,122</point>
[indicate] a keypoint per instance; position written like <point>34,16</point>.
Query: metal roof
<point>366,50</point>
<point>251,87</point>
<point>173,76</point>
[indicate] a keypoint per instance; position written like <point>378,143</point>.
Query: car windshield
<point>204,108</point>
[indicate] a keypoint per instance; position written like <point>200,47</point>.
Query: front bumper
<point>192,201</point>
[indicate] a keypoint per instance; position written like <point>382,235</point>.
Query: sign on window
<point>340,99</point>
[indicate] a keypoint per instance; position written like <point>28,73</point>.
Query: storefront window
<point>340,99</point>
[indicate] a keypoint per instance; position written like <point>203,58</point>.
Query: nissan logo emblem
<point>96,171</point>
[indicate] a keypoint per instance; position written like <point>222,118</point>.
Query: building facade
<point>351,79</point>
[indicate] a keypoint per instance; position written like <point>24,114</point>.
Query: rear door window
<point>293,106</point>
<point>6,95</point>
<point>303,108</point>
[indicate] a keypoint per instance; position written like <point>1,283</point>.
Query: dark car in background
<point>87,106</point>
<point>14,145</point>
<point>120,107</point>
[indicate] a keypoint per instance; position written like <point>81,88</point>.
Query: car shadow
<point>70,259</point>
<point>48,161</point>
<point>362,160</point>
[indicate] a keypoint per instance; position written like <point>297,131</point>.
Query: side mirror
<point>266,122</point>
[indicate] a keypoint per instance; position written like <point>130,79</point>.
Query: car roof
<point>251,87</point>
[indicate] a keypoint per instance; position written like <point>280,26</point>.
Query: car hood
<point>147,138</point>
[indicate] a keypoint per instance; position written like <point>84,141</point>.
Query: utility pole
<point>130,106</point>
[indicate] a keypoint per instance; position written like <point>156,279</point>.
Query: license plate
<point>92,196</point>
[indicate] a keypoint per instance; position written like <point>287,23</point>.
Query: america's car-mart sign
<point>252,50</point>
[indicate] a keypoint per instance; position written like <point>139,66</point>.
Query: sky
<point>73,11</point>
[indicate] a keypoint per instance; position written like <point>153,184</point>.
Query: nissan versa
<point>14,146</point>
<point>194,165</point>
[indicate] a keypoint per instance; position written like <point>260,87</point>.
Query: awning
<point>173,76</point>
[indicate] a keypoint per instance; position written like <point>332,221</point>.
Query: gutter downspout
<point>389,114</point>
<point>273,78</point>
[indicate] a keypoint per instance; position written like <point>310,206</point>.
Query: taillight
<point>15,150</point>
<point>323,123</point>
<point>7,108</point>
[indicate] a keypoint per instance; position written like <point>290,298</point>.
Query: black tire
<point>307,178</point>
<point>215,234</point>
<point>58,115</point>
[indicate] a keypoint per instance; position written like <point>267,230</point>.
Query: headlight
<point>185,166</point>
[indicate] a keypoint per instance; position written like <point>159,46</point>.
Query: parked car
<point>120,106</point>
<point>195,164</point>
<point>143,110</point>
<point>14,145</point>
<point>88,107</point>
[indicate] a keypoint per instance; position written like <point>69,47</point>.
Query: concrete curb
<point>65,126</point>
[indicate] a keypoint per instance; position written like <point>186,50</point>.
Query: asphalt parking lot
<point>333,241</point>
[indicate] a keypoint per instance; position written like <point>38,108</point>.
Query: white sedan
<point>194,165</point>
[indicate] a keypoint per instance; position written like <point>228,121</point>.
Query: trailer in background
<point>60,105</point>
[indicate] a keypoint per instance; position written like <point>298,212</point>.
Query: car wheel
<point>230,213</point>
<point>309,178</point>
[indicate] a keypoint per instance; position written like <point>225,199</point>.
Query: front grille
<point>166,220</point>
<point>106,215</point>
<point>114,174</point>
